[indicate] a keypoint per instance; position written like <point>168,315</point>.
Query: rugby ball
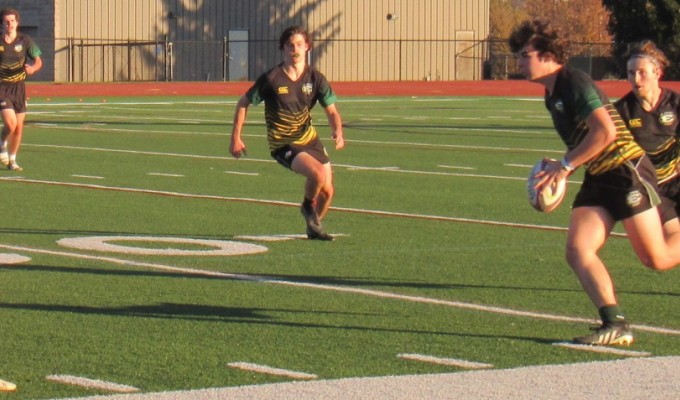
<point>546,198</point>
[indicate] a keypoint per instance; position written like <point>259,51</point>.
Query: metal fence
<point>88,60</point>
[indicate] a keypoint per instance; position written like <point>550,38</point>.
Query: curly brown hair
<point>542,37</point>
<point>648,49</point>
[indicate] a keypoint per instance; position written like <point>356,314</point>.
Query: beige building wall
<point>121,40</point>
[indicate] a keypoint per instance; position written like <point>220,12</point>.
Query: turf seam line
<point>267,370</point>
<point>91,383</point>
<point>444,361</point>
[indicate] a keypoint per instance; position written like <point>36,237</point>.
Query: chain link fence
<point>89,60</point>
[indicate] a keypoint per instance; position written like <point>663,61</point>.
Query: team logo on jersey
<point>667,118</point>
<point>19,47</point>
<point>635,123</point>
<point>559,105</point>
<point>282,90</point>
<point>634,198</point>
<point>307,88</point>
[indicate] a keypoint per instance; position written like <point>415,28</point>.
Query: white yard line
<point>290,204</point>
<point>334,288</point>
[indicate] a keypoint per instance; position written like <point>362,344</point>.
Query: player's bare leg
<point>315,172</point>
<point>9,126</point>
<point>325,196</point>
<point>588,231</point>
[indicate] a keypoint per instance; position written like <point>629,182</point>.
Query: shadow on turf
<point>194,312</point>
<point>320,280</point>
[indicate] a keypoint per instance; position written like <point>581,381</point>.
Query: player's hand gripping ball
<point>545,198</point>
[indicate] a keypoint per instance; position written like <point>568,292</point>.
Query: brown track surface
<point>416,88</point>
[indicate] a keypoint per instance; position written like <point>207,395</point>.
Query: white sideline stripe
<point>341,289</point>
<point>264,369</point>
<point>6,386</point>
<point>290,204</point>
<point>88,176</point>
<point>603,349</point>
<point>349,167</point>
<point>445,361</point>
<point>163,174</point>
<point>242,173</point>
<point>91,383</point>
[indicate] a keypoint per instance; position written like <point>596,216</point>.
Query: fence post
<point>170,72</point>
<point>69,60</point>
<point>225,58</point>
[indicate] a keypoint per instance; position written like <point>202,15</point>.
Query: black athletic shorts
<point>13,96</point>
<point>285,155</point>
<point>670,199</point>
<point>624,191</point>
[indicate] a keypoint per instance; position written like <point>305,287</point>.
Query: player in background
<point>19,58</point>
<point>619,182</point>
<point>290,90</point>
<point>651,114</point>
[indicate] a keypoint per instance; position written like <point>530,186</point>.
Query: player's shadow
<point>368,284</point>
<point>245,315</point>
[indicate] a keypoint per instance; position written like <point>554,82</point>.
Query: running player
<point>290,90</point>
<point>619,182</point>
<point>19,58</point>
<point>651,114</point>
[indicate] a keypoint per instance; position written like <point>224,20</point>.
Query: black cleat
<point>318,235</point>
<point>311,218</point>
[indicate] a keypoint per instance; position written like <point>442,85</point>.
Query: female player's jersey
<point>574,98</point>
<point>656,131</point>
<point>13,56</point>
<point>288,104</point>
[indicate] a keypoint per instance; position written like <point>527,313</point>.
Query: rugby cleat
<point>318,235</point>
<point>4,156</point>
<point>609,334</point>
<point>13,166</point>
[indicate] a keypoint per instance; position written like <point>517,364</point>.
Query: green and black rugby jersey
<point>575,96</point>
<point>13,57</point>
<point>288,104</point>
<point>655,131</point>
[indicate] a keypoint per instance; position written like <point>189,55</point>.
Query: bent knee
<point>657,263</point>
